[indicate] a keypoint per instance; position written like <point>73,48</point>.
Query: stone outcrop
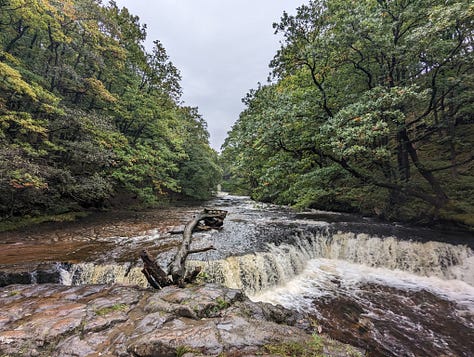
<point>206,320</point>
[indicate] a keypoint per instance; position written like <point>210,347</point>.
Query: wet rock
<point>155,303</point>
<point>48,276</point>
<point>198,335</point>
<point>8,278</point>
<point>207,320</point>
<point>242,333</point>
<point>151,322</point>
<point>204,301</point>
<point>274,313</point>
<point>101,323</point>
<point>81,345</point>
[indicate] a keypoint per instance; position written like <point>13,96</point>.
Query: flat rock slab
<point>206,320</point>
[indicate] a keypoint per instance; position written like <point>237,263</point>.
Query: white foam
<point>328,277</point>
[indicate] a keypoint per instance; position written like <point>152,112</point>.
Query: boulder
<point>204,320</point>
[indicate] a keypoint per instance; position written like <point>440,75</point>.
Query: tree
<point>199,172</point>
<point>381,73</point>
<point>86,113</point>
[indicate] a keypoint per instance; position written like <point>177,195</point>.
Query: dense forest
<point>369,108</point>
<point>88,115</point>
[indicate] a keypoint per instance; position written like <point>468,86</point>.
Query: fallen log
<point>157,277</point>
<point>208,223</point>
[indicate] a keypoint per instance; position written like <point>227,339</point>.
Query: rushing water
<point>391,289</point>
<point>389,312</point>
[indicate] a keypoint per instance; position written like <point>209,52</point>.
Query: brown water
<point>391,289</point>
<point>34,254</point>
<point>392,321</point>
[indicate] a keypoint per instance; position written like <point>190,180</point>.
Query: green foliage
<point>86,112</point>
<point>370,110</point>
<point>183,350</point>
<point>215,309</point>
<point>109,309</point>
<point>13,293</point>
<point>312,348</point>
<point>221,303</point>
<point>199,172</point>
<point>28,221</point>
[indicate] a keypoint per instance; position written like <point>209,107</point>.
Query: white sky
<point>221,47</point>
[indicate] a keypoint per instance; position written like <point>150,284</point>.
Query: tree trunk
<point>441,196</point>
<point>157,277</point>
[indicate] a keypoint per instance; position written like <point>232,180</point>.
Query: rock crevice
<point>206,320</point>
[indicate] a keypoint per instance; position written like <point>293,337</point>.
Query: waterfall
<point>90,273</point>
<point>422,258</point>
<point>280,263</point>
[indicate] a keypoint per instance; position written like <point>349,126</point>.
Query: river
<point>391,289</point>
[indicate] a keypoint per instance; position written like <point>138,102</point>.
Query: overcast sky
<point>221,47</point>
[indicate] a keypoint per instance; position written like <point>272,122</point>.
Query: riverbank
<point>206,320</point>
<point>122,207</point>
<point>128,222</point>
<point>351,273</point>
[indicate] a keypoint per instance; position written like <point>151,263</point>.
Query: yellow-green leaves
<point>11,81</point>
<point>22,180</point>
<point>96,88</point>
<point>86,112</point>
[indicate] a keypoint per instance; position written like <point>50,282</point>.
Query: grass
<point>212,310</point>
<point>109,309</point>
<point>221,303</point>
<point>182,350</point>
<point>312,348</point>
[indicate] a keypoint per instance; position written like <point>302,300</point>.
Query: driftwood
<point>153,272</point>
<point>157,277</point>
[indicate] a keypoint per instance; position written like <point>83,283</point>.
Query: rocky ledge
<point>101,320</point>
